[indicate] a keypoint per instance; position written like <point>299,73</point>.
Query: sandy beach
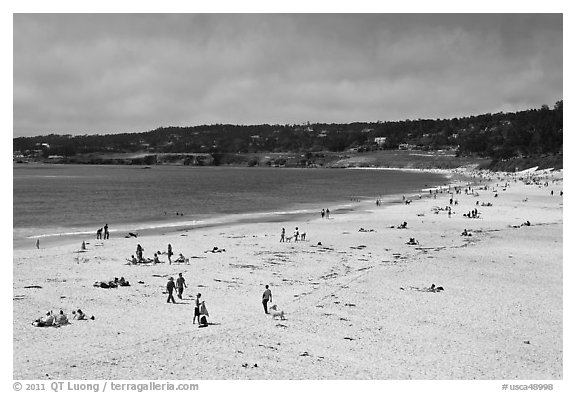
<point>356,301</point>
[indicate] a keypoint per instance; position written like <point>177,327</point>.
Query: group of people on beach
<point>139,258</point>
<point>59,319</point>
<point>200,310</point>
<point>297,236</point>
<point>106,233</point>
<point>325,213</point>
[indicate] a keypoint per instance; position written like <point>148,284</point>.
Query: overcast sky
<point>108,73</point>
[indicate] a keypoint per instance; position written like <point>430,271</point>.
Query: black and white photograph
<point>350,196</point>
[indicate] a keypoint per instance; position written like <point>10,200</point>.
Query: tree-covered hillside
<point>499,136</point>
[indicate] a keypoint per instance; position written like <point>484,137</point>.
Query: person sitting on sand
<point>180,259</point>
<point>412,242</point>
<point>60,319</point>
<point>79,315</point>
<point>47,320</point>
<point>156,260</point>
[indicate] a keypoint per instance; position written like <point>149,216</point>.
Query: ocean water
<point>57,200</point>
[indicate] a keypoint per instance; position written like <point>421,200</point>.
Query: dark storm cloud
<point>114,73</point>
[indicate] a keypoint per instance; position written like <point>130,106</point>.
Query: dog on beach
<point>275,313</point>
<point>303,236</point>
<point>289,239</point>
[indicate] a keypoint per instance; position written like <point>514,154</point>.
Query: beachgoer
<point>170,253</point>
<point>156,260</point>
<point>83,246</point>
<point>133,260</point>
<point>266,297</point>
<point>99,233</point>
<point>139,250</point>
<point>38,243</point>
<point>197,309</point>
<point>60,319</point>
<point>327,213</point>
<point>296,234</point>
<point>47,320</point>
<point>79,315</point>
<point>170,287</point>
<point>282,235</point>
<point>180,284</point>
<point>106,233</point>
<point>322,213</point>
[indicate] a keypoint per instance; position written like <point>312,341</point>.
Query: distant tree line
<point>499,136</point>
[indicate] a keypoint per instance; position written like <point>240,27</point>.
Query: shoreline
<point>291,213</point>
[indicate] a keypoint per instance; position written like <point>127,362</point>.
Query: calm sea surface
<point>74,199</point>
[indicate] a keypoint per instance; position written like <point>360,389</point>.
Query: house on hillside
<point>380,141</point>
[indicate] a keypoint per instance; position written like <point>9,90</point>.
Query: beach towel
<point>203,310</point>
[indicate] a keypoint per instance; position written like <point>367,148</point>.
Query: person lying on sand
<point>365,230</point>
<point>80,316</point>
<point>215,250</point>
<point>432,288</point>
<point>105,284</point>
<point>404,225</point>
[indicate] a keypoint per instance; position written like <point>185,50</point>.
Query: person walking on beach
<point>106,233</point>
<point>180,284</point>
<point>170,253</point>
<point>170,288</point>
<point>322,213</point>
<point>296,234</point>
<point>38,243</point>
<point>99,234</point>
<point>282,235</point>
<point>266,297</point>
<point>197,309</point>
<point>327,214</point>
